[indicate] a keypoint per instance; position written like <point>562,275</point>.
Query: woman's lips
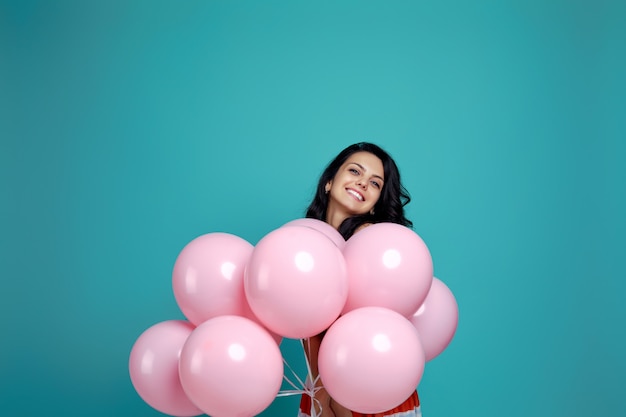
<point>357,195</point>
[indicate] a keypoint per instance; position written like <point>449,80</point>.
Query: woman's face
<point>357,184</point>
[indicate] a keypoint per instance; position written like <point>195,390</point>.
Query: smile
<point>355,194</point>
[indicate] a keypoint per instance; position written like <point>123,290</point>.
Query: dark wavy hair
<point>388,208</point>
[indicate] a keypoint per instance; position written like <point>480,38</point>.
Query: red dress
<point>409,408</point>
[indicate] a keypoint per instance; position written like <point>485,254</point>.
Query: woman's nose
<point>362,183</point>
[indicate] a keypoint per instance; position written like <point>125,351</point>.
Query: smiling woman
<point>355,189</point>
<point>360,187</point>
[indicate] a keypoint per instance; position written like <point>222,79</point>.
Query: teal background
<point>128,128</point>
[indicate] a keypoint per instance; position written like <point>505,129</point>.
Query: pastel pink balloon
<point>371,360</point>
<point>296,282</point>
<point>322,227</point>
<point>231,367</point>
<point>389,266</point>
<point>436,320</point>
<point>153,367</point>
<point>208,277</point>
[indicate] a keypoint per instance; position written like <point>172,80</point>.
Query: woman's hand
<point>322,403</point>
<point>339,410</point>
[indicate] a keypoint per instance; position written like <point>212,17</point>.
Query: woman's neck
<point>335,217</point>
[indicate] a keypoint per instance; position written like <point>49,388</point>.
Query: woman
<point>361,186</point>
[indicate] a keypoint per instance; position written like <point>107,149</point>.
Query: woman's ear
<point>328,185</point>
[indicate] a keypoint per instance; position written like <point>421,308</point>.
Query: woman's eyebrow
<point>363,168</point>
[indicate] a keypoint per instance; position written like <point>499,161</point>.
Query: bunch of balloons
<point>384,315</point>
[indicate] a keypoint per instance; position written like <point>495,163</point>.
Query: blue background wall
<point>129,128</point>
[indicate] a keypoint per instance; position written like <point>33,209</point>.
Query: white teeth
<point>357,195</point>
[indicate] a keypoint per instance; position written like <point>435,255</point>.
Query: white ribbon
<point>308,387</point>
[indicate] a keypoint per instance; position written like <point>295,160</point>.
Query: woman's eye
<point>354,171</point>
<point>375,184</point>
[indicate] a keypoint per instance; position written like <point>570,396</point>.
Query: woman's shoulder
<point>361,227</point>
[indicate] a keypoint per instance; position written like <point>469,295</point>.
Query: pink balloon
<point>437,319</point>
<point>296,282</point>
<point>322,227</point>
<point>208,277</point>
<point>389,266</point>
<point>231,367</point>
<point>153,367</point>
<point>371,360</point>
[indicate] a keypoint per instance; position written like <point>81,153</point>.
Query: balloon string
<point>306,360</point>
<point>313,388</point>
<point>309,387</point>
<point>289,392</point>
<point>301,384</point>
